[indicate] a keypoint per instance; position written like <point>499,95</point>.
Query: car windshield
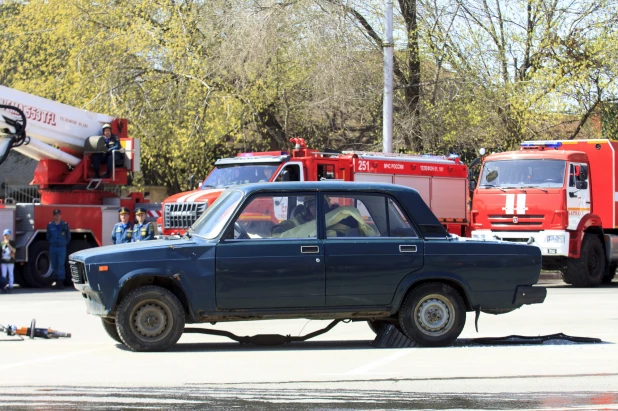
<point>523,173</point>
<point>227,176</point>
<point>210,224</point>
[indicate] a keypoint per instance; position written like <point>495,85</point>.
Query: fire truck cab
<point>442,182</point>
<point>559,195</point>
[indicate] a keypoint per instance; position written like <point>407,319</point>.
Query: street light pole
<point>387,127</point>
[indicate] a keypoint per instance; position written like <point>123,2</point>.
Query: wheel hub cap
<point>150,320</point>
<point>434,315</point>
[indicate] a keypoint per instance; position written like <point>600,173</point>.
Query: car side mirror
<point>472,185</point>
<point>285,175</point>
<point>581,185</point>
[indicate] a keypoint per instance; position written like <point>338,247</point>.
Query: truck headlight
<point>556,239</point>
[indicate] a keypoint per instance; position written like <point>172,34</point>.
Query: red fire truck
<point>558,195</point>
<point>61,138</point>
<point>441,181</point>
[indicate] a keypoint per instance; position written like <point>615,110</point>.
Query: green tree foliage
<point>201,80</point>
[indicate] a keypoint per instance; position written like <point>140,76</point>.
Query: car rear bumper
<point>526,294</point>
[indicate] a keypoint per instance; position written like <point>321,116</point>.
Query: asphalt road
<point>339,370</point>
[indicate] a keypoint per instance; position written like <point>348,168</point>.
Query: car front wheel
<point>150,318</point>
<point>433,315</point>
<point>110,328</point>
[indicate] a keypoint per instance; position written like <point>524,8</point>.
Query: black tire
<point>75,246</point>
<point>150,318</point>
<point>376,325</point>
<point>589,269</point>
<point>611,273</point>
<point>19,276</point>
<point>433,315</point>
<point>110,328</point>
<point>38,271</point>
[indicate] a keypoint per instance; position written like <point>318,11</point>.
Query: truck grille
<point>78,272</point>
<point>513,240</point>
<point>182,215</point>
<point>521,220</point>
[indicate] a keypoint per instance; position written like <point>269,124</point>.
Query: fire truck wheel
<point>110,329</point>
<point>38,270</point>
<point>150,318</point>
<point>611,273</point>
<point>589,269</point>
<point>20,277</point>
<point>433,315</point>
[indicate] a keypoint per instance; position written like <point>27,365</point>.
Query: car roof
<point>348,186</point>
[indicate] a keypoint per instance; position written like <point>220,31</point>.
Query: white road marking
<point>365,369</point>
<point>55,357</point>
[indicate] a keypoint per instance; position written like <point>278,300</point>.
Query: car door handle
<point>407,248</point>
<point>309,249</point>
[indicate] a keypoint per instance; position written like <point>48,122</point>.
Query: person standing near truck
<point>142,230</point>
<point>58,236</point>
<point>8,260</point>
<point>122,231</point>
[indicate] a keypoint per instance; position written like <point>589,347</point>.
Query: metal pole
<point>387,138</point>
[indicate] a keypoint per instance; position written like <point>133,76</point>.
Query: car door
<point>268,262</point>
<point>578,194</point>
<point>365,264</point>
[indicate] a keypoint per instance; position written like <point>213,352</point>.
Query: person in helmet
<point>122,231</point>
<point>112,144</point>
<point>8,261</point>
<point>142,230</point>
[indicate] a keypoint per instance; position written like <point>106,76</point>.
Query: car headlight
<point>556,239</point>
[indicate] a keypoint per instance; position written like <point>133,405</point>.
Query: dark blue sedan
<point>323,250</point>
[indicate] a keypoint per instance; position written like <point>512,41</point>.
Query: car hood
<point>131,250</point>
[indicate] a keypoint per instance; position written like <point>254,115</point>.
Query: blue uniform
<point>58,237</point>
<point>122,233</point>
<point>112,143</point>
<point>142,232</point>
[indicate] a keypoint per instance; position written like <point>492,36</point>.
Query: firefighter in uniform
<point>142,230</point>
<point>58,236</point>
<point>122,231</point>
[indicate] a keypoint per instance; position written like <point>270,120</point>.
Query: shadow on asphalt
<point>344,345</point>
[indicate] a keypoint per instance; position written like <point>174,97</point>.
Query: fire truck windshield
<point>523,173</point>
<point>226,176</point>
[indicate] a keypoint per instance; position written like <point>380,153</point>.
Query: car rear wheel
<point>433,315</point>
<point>377,325</point>
<point>110,328</point>
<point>150,318</point>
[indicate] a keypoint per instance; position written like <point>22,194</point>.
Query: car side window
<point>399,224</point>
<point>354,216</point>
<point>276,216</point>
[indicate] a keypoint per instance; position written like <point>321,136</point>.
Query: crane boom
<point>50,122</point>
